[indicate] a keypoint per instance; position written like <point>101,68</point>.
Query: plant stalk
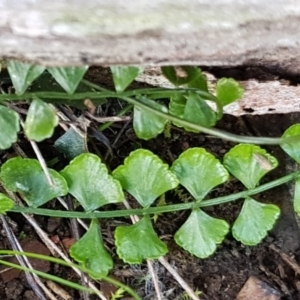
<point>158,209</point>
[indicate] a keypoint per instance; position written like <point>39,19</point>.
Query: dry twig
<point>32,279</point>
<point>171,270</point>
<point>134,220</point>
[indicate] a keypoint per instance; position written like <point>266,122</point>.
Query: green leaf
<point>181,75</point>
<point>254,221</point>
<point>46,82</point>
<point>176,107</point>
<point>26,177</point>
<point>228,90</point>
<point>199,171</point>
<point>199,82</point>
<point>194,109</point>
<point>23,74</point>
<point>138,242</point>
<point>123,76</point>
<point>201,233</point>
<point>146,124</point>
<point>297,197</point>
<point>6,204</point>
<point>9,124</point>
<point>71,144</point>
<point>40,121</point>
<point>292,147</point>
<point>91,253</point>
<point>68,77</point>
<point>90,183</point>
<point>145,176</point>
<point>198,111</point>
<point>249,163</point>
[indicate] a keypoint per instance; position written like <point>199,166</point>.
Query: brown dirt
<point>223,274</point>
